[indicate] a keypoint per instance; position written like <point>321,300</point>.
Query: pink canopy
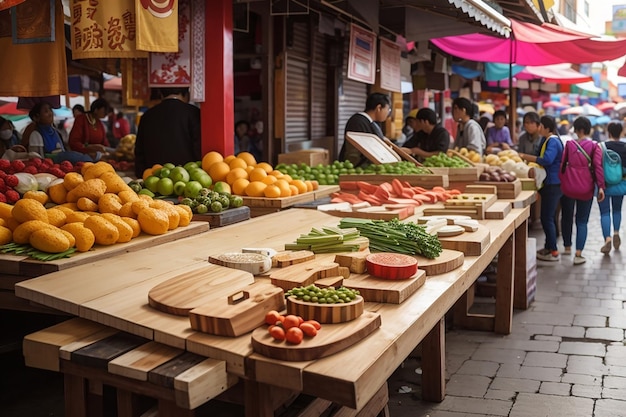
<point>532,45</point>
<point>553,74</point>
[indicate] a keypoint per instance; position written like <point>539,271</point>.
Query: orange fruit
<point>211,158</point>
<point>235,174</point>
<point>294,189</point>
<point>309,185</point>
<point>272,191</point>
<point>316,184</point>
<point>237,163</point>
<point>249,168</point>
<point>257,174</point>
<point>287,178</point>
<point>239,186</point>
<point>256,189</point>
<point>285,191</point>
<point>302,188</point>
<point>146,173</point>
<point>276,173</point>
<point>229,158</point>
<point>270,179</point>
<point>154,167</point>
<point>265,166</point>
<point>248,157</point>
<point>219,171</point>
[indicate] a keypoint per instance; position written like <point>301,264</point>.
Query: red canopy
<point>532,45</point>
<point>11,109</point>
<point>553,74</point>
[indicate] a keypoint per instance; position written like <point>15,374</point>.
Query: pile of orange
<point>246,177</point>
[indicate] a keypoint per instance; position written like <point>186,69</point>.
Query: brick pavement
<point>565,357</point>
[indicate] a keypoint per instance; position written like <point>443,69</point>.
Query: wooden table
<point>114,292</point>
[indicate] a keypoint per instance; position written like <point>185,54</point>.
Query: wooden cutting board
<point>238,313</point>
<point>330,339</point>
<point>471,199</point>
<point>304,274</point>
<point>382,214</point>
<point>471,244</point>
<point>498,210</point>
<point>425,180</point>
<point>380,290</point>
<point>226,217</point>
<point>288,258</point>
<point>449,260</point>
<point>183,293</point>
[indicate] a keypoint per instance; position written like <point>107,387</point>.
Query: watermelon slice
<point>391,265</point>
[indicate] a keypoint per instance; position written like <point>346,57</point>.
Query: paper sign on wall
<point>390,75</point>
<point>362,55</point>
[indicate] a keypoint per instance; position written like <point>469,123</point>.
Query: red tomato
<point>277,333</point>
<point>308,329</point>
<point>315,324</point>
<point>272,316</point>
<point>294,335</point>
<point>291,321</point>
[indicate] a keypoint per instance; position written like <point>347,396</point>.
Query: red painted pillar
<point>217,111</point>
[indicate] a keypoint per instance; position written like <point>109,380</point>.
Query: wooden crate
<point>426,180</point>
<point>528,184</point>
<point>311,157</point>
<point>507,190</point>
<point>469,174</point>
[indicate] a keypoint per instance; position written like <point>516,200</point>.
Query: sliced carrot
<point>370,198</point>
<point>439,189</point>
<point>398,188</point>
<point>367,187</point>
<point>454,191</point>
<point>422,198</point>
<point>387,187</point>
<point>382,194</point>
<point>418,189</point>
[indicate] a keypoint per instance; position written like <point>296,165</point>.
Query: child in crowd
<point>498,136</point>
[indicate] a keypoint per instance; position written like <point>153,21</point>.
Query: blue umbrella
<point>600,120</point>
<point>63,112</point>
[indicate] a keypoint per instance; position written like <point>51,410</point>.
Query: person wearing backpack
<point>613,203</point>
<point>581,172</point>
<point>550,154</point>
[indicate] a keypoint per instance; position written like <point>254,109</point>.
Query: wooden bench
<point>91,356</point>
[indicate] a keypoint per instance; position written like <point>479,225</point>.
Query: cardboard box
<point>311,157</point>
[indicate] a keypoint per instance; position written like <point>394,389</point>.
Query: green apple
<point>179,187</point>
<point>196,173</point>
<point>179,174</point>
<point>165,186</point>
<point>165,172</point>
<point>192,189</point>
<point>205,180</point>
<point>190,165</point>
<point>221,187</point>
<point>169,165</point>
<point>151,183</point>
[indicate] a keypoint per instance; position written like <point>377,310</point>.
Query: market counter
<point>114,292</point>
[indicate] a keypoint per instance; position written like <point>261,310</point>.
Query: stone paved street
<point>565,357</point>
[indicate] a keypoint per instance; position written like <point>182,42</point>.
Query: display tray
<point>226,217</point>
<point>28,267</point>
<point>285,202</point>
<point>504,189</point>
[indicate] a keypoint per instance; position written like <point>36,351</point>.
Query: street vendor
<point>469,135</point>
<point>88,134</point>
<point>430,138</point>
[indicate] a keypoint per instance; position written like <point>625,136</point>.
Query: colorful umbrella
<point>554,104</point>
<point>584,110</point>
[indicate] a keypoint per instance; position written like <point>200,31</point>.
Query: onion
<point>44,179</point>
<point>27,182</point>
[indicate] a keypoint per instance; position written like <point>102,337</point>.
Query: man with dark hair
<point>430,138</point>
<point>528,140</point>
<point>470,135</point>
<point>377,109</point>
<point>168,132</point>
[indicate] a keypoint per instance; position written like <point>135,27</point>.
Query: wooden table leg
<point>504,287</point>
<point>520,293</point>
<point>261,400</point>
<point>75,389</point>
<point>434,363</point>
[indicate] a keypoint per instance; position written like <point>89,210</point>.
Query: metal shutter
<point>297,85</point>
<point>319,72</point>
<point>352,96</point>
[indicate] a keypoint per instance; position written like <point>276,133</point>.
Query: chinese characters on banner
<point>362,55</point>
<point>173,69</point>
<point>390,77</point>
<point>104,29</point>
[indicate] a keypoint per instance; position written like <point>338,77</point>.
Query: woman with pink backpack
<point>581,172</point>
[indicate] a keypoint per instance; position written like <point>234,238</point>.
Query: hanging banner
<point>157,25</point>
<point>5,4</point>
<point>33,22</point>
<point>390,74</point>
<point>46,60</point>
<point>174,69</point>
<point>104,29</point>
<point>362,55</point>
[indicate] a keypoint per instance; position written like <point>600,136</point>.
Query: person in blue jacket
<point>550,154</point>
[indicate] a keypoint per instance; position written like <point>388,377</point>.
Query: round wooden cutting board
<point>330,339</point>
<point>326,313</point>
<point>448,260</point>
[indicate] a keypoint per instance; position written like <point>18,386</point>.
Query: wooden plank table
<point>114,293</point>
